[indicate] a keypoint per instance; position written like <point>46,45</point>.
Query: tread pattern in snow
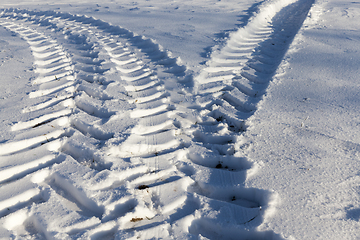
<point>118,144</point>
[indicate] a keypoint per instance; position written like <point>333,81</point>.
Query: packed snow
<point>154,119</point>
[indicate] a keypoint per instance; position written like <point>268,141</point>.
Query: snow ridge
<point>123,143</point>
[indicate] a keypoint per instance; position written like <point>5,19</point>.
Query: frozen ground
<point>179,119</point>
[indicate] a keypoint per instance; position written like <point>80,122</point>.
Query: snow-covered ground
<point>149,119</point>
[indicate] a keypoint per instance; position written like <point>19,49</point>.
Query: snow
<point>185,119</point>
<point>306,133</point>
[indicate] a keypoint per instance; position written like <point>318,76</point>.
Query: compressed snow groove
<point>120,145</point>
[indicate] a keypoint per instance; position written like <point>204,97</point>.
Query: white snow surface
<point>154,119</point>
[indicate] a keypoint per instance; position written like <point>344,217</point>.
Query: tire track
<point>228,91</point>
<point>150,97</point>
<point>39,139</point>
<point>48,128</point>
<point>129,150</point>
<point>154,147</point>
<point>73,194</point>
<point>64,190</point>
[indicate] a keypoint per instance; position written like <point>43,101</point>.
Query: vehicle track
<point>121,146</point>
<point>229,90</point>
<point>137,80</point>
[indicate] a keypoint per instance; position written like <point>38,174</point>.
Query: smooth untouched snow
<point>163,119</point>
